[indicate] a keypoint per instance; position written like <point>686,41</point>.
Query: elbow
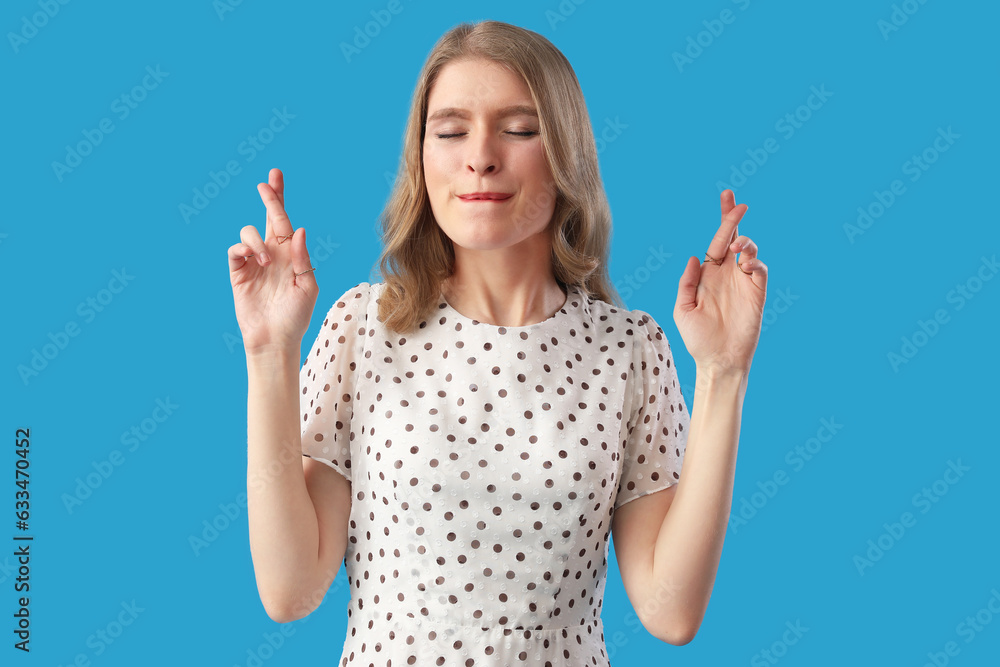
<point>680,639</point>
<point>285,603</point>
<point>282,611</point>
<point>677,636</point>
<point>279,614</point>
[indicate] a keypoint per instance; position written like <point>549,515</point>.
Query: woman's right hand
<point>273,305</point>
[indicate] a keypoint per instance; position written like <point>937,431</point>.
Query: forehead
<point>477,86</point>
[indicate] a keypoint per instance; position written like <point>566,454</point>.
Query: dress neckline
<point>571,291</point>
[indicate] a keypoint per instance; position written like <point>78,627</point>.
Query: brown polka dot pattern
<point>486,465</point>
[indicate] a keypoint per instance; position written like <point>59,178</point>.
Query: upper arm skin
<point>635,527</point>
<point>331,495</point>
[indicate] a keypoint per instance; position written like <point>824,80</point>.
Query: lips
<point>485,196</point>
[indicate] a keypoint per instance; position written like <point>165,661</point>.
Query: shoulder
<point>358,297</point>
<point>633,337</point>
<point>361,291</point>
<point>608,319</point>
<point>639,335</point>
<point>351,306</point>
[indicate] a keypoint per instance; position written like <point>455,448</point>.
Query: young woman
<point>473,429</point>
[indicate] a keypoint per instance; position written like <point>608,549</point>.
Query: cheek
<point>533,172</point>
<point>539,165</point>
<point>436,168</point>
<point>530,163</point>
<point>431,172</point>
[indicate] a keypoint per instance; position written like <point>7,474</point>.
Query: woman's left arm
<point>718,313</point>
<point>688,547</point>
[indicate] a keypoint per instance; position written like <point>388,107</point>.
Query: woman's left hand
<point>720,304</point>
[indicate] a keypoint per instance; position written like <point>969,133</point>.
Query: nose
<point>483,156</point>
<point>489,169</point>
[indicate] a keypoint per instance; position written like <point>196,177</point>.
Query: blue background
<point>838,304</point>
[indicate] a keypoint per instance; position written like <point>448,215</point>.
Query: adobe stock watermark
<point>611,131</point>
<point>223,7</point>
<point>796,458</point>
<point>7,569</point>
<point>105,636</point>
<point>787,125</point>
<point>273,641</point>
<point>968,629</point>
<point>665,592</point>
<point>212,528</point>
<point>249,149</point>
<point>714,28</point>
<point>362,38</point>
<point>563,11</point>
<point>122,106</point>
<point>923,500</point>
<point>133,438</point>
<point>639,276</point>
<point>901,13</point>
<point>37,21</point>
<point>779,305</point>
<point>914,167</point>
<point>961,294</point>
<point>59,341</point>
<point>779,648</point>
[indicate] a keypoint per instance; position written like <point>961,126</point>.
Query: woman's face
<point>475,142</point>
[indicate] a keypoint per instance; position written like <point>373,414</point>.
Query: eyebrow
<point>512,110</point>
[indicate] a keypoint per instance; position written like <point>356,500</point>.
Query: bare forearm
<point>689,544</point>
<point>284,530</point>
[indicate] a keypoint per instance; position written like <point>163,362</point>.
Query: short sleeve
<point>328,380</point>
<point>659,419</point>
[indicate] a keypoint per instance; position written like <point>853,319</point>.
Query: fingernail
<point>264,258</point>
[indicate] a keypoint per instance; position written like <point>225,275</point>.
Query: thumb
<point>687,287</point>
<point>301,262</point>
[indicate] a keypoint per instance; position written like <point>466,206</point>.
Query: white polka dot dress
<point>486,464</point>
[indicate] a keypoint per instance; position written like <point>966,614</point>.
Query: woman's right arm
<point>298,512</point>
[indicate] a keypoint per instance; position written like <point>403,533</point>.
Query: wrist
<point>274,354</point>
<point>721,378</point>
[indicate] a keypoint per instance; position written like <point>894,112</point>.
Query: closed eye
<point>459,134</point>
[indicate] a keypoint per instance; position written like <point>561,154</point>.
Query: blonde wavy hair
<point>417,256</point>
